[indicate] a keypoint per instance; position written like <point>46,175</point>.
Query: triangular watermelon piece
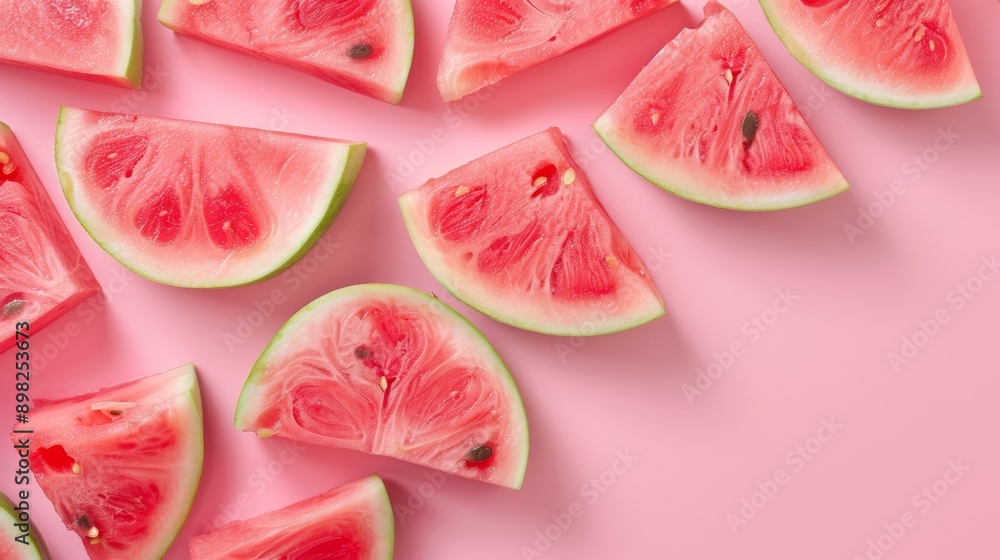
<point>518,235</point>
<point>709,121</point>
<point>363,45</point>
<point>898,53</point>
<point>90,39</point>
<point>489,40</point>
<point>350,522</point>
<point>120,466</point>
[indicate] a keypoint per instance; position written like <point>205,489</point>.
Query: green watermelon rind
<point>255,378</point>
<point>605,130</point>
<point>36,550</point>
<point>387,522</point>
<point>133,66</point>
<point>856,90</point>
<point>338,195</point>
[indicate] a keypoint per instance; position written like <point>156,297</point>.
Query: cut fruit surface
<point>16,544</point>
<point>350,522</point>
<point>363,45</point>
<point>200,205</point>
<point>518,235</point>
<point>897,53</point>
<point>43,274</point>
<point>489,40</point>
<point>709,121</point>
<point>121,466</point>
<point>389,370</point>
<point>98,40</point>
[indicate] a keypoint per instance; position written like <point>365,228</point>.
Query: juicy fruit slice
<point>391,371</point>
<point>489,40</point>
<point>351,522</point>
<point>709,121</point>
<point>518,235</point>
<point>363,45</point>
<point>121,465</point>
<point>897,53</point>
<point>200,205</point>
<point>99,40</point>
<point>44,275</point>
<point>15,544</point>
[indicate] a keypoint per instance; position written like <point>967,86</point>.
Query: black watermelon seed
<point>479,454</point>
<point>362,353</point>
<point>84,522</point>
<point>12,307</point>
<point>360,51</point>
<point>751,122</point>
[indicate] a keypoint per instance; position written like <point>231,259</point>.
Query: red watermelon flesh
<point>44,275</point>
<point>121,466</point>
<point>489,40</point>
<point>362,45</point>
<point>98,40</point>
<point>518,235</point>
<point>350,522</point>
<point>709,121</point>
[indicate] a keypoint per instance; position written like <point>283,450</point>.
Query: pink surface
<point>823,360</point>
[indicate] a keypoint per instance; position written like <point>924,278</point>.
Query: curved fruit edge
<point>388,519</point>
<point>408,41</point>
<point>605,133</point>
<point>841,85</point>
<point>37,549</point>
<point>133,67</point>
<point>504,374</point>
<point>352,166</point>
<point>465,297</point>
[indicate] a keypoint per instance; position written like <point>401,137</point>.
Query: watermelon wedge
<point>200,205</point>
<point>99,40</point>
<point>518,235</point>
<point>389,370</point>
<point>489,40</point>
<point>351,522</point>
<point>363,45</point>
<point>44,275</point>
<point>121,465</point>
<point>16,544</point>
<point>897,53</point>
<point>709,121</point>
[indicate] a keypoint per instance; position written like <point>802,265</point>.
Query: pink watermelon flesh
<point>708,120</point>
<point>388,370</point>
<point>489,40</point>
<point>898,53</point>
<point>200,205</point>
<point>44,275</point>
<point>14,544</point>
<point>351,522</point>
<point>98,40</point>
<point>362,45</point>
<point>121,465</point>
<point>518,235</point>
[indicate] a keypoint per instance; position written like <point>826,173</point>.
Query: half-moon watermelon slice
<point>389,370</point>
<point>43,274</point>
<point>362,45</point>
<point>898,53</point>
<point>201,205</point>
<point>16,544</point>
<point>709,121</point>
<point>99,40</point>
<point>489,40</point>
<point>350,522</point>
<point>121,466</point>
<point>518,235</point>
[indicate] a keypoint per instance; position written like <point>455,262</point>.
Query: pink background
<point>697,459</point>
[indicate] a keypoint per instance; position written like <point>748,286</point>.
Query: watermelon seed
<point>919,34</point>
<point>77,469</point>
<point>462,191</point>
<point>84,522</point>
<point>4,158</point>
<point>569,176</point>
<point>362,353</point>
<point>611,260</point>
<point>729,75</point>
<point>12,307</point>
<point>93,533</point>
<point>880,22</point>
<point>750,125</point>
<point>655,117</point>
<point>360,51</point>
<point>383,383</point>
<point>931,44</point>
<point>479,454</point>
<point>539,181</point>
<point>8,168</point>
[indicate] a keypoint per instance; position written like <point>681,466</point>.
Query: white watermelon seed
<point>880,22</point>
<point>931,45</point>
<point>729,75</point>
<point>77,469</point>
<point>919,34</point>
<point>462,191</point>
<point>93,533</point>
<point>8,168</point>
<point>569,176</point>
<point>383,383</point>
<point>539,181</point>
<point>4,158</point>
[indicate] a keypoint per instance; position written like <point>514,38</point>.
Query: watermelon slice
<point>362,45</point>
<point>489,40</point>
<point>121,466</point>
<point>518,235</point>
<point>897,53</point>
<point>99,40</point>
<point>44,274</point>
<point>200,205</point>
<point>16,544</point>
<point>708,120</point>
<point>389,370</point>
<point>351,522</point>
